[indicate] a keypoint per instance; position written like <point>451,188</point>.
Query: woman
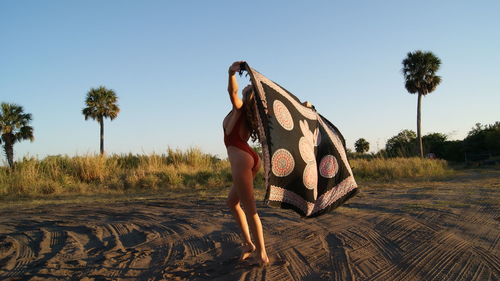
<point>238,127</point>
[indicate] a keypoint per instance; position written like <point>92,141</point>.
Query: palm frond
<point>101,103</point>
<point>419,70</point>
<point>25,133</point>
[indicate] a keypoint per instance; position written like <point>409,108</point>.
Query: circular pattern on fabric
<point>282,163</point>
<point>306,149</point>
<point>310,176</point>
<point>283,115</point>
<point>328,167</point>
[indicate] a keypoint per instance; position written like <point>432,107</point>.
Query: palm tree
<point>419,71</point>
<point>101,103</point>
<point>14,127</point>
<point>362,145</point>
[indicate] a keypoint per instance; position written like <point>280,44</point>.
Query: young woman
<point>238,126</point>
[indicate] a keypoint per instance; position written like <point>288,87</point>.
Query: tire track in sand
<point>384,240</point>
<point>433,260</point>
<point>339,259</point>
<point>26,250</point>
<point>8,253</point>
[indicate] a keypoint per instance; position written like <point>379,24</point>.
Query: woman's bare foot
<point>259,261</point>
<point>247,251</point>
<point>264,260</point>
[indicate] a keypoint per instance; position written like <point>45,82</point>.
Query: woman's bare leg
<point>243,183</point>
<point>233,202</point>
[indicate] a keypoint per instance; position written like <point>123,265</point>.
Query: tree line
<point>482,142</point>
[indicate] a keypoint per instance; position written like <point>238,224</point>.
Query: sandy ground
<point>421,231</point>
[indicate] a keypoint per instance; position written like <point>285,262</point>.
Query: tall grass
<point>175,170</point>
<point>399,168</point>
<point>117,173</point>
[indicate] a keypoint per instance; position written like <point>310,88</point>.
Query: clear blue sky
<point>168,60</point>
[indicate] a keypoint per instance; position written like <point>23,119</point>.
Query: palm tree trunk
<point>9,152</point>
<point>101,122</point>
<point>419,127</point>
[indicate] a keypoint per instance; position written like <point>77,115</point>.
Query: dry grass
<point>400,168</point>
<point>180,172</point>
<point>114,174</point>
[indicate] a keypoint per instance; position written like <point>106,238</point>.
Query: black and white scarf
<point>305,162</point>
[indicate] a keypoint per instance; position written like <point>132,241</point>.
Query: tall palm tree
<point>419,71</point>
<point>101,103</point>
<point>14,127</point>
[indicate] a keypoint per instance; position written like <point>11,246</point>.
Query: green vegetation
<point>177,171</point>
<point>482,144</point>
<point>402,144</point>
<point>14,127</point>
<point>361,145</point>
<point>419,71</point>
<point>101,103</point>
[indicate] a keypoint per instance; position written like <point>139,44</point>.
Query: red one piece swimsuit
<point>234,139</point>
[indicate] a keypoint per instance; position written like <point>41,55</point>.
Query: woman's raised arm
<point>232,85</point>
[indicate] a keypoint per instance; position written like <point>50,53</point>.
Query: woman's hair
<point>251,114</point>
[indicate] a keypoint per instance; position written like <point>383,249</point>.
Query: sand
<point>423,231</point>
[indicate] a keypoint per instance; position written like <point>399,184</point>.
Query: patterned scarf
<point>305,162</point>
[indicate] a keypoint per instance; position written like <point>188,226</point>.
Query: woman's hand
<point>235,67</point>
